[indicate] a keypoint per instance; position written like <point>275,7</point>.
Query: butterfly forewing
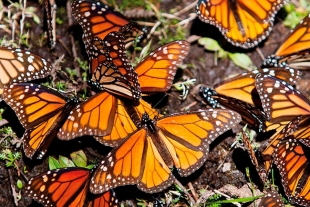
<point>96,19</point>
<point>157,70</point>
<point>92,117</point>
<point>188,136</point>
<point>67,187</point>
<point>145,156</point>
<point>18,65</point>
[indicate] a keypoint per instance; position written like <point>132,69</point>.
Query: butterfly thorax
<point>148,123</point>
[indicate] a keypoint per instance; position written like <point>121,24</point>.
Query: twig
<point>185,191</point>
<point>190,185</point>
<point>13,188</point>
<point>260,53</point>
<point>189,106</point>
<point>187,8</point>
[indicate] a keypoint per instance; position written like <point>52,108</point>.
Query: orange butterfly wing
<point>92,117</point>
<point>271,199</point>
<point>157,70</point>
<point>40,110</point>
<point>123,123</point>
<point>242,86</point>
<point>280,100</point>
<point>67,187</point>
<point>60,187</point>
<point>298,40</point>
<point>277,137</point>
<point>18,65</point>
<point>108,78</point>
<point>295,50</point>
<point>96,19</point>
<point>107,199</point>
<point>181,140</point>
<point>243,23</point>
<point>292,159</point>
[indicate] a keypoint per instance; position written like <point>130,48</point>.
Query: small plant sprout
<point>184,87</point>
<point>19,184</point>
<point>9,157</point>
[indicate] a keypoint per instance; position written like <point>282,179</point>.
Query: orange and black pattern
<point>243,23</point>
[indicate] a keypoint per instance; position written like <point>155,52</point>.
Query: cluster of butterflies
<point>146,145</point>
<point>269,103</point>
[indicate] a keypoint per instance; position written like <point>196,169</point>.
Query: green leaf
<point>65,162</point>
<point>79,158</point>
<point>242,60</point>
<point>91,166</point>
<point>19,184</point>
<point>53,163</point>
<point>209,44</point>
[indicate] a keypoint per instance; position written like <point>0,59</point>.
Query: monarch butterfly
<point>181,140</point>
<point>98,20</point>
<point>292,159</point>
<point>40,110</point>
<point>18,65</point>
<point>243,23</point>
<point>111,52</point>
<point>239,93</point>
<point>156,71</point>
<point>271,199</point>
<point>67,187</point>
<point>155,74</point>
<point>295,51</point>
